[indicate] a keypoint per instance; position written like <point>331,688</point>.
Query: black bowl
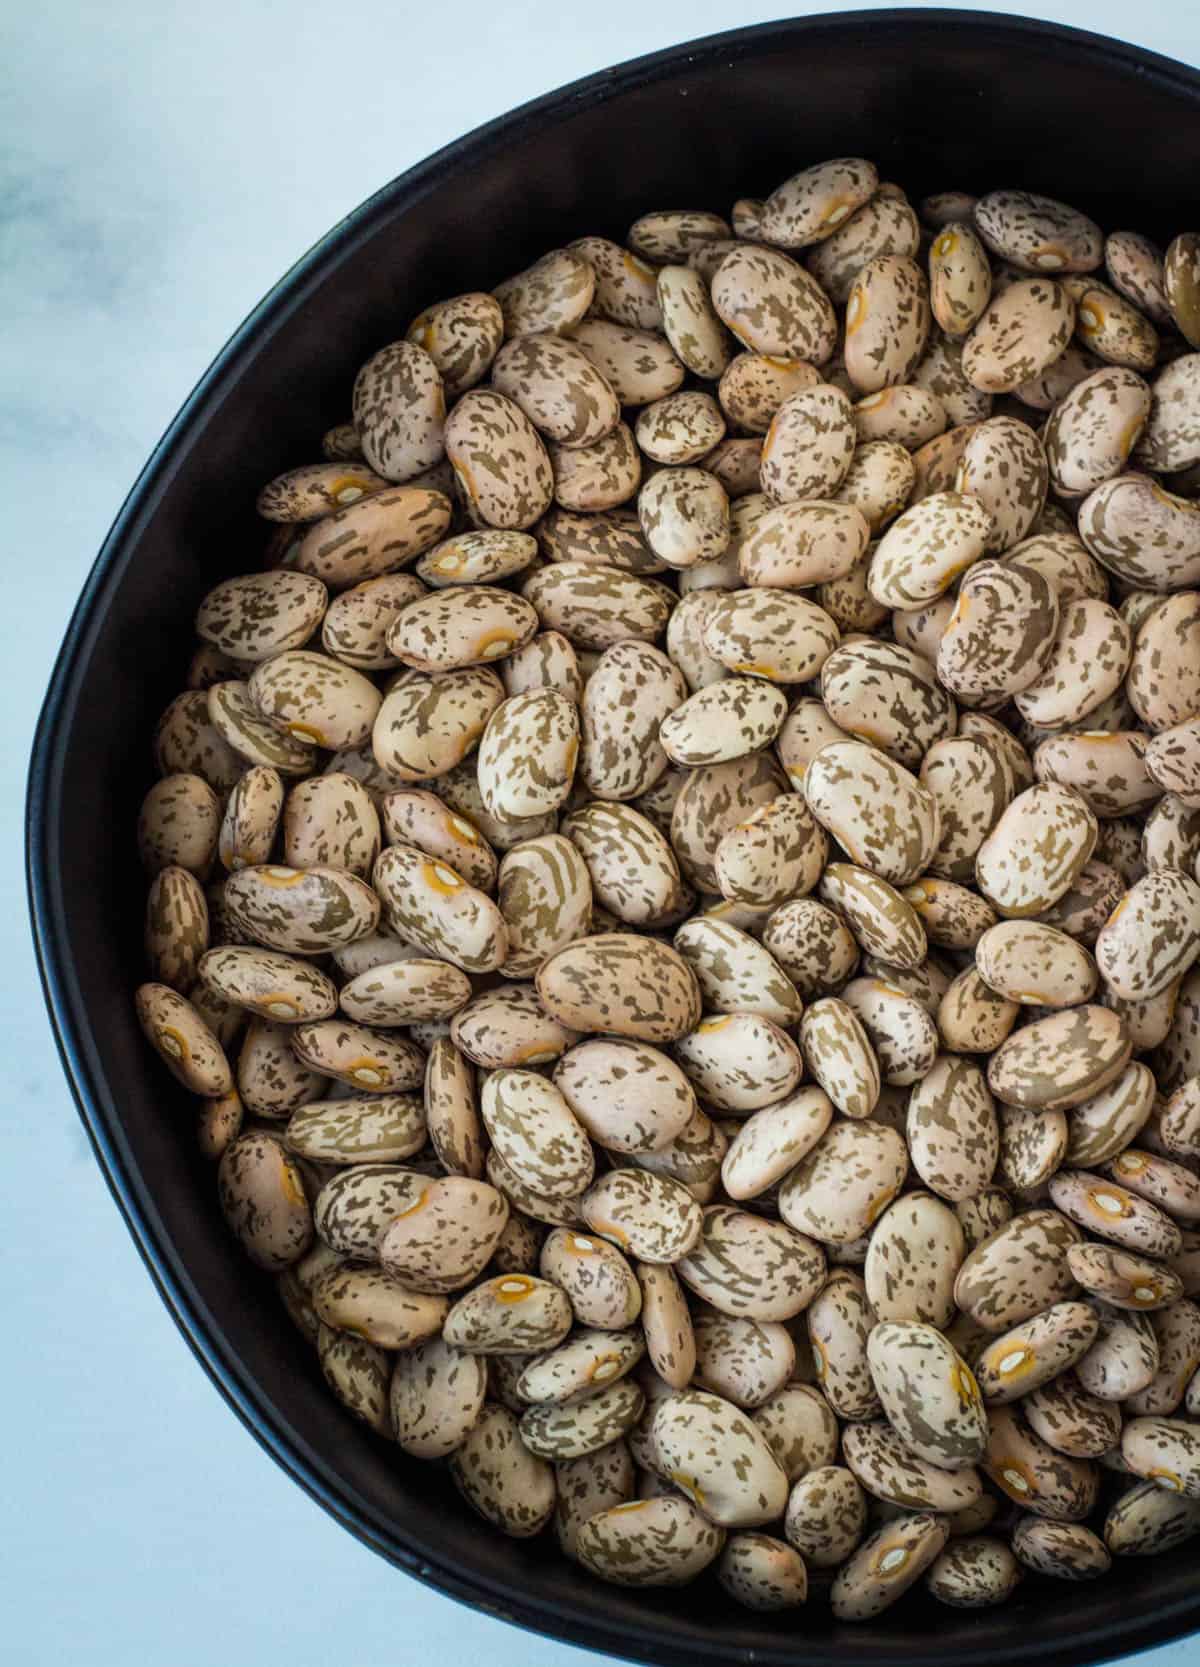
<point>938,99</point>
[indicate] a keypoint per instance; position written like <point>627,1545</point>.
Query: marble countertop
<point>160,166</point>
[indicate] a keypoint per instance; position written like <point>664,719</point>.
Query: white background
<point>161,165</point>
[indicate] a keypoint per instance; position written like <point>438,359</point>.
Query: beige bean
<point>372,1304</point>
<point>775,854</point>
<point>1112,1212</point>
<point>810,205</point>
<point>1141,532</point>
<point>595,606</point>
<point>773,306</point>
<point>960,278</point>
<point>1071,1420</point>
<point>1108,326</point>
<point>176,931</point>
<point>182,1040</point>
<point>558,388</point>
<point>474,558</point>
<point>684,516</point>
<point>1018,1271</point>
<point>400,410</point>
<point>899,1027</point>
<point>599,476</point>
<point>690,322</point>
<point>461,336</point>
<point>500,1479</point>
<point>845,1183</point>
<point>826,1515</point>
<point>928,1392</point>
<point>1148,1520</point>
<point>622,984</point>
<point>372,537</point>
<point>632,869</point>
<point>736,974</point>
<point>1034,964</point>
<point>263,1200</point>
<point>1003,463</point>
<point>357,1373</point>
<point>251,818</point>
<point>772,634</point>
<point>742,1265</point>
<point>380,1129</point>
<point>887,323</point>
<point>809,445</point>
<point>1055,822</point>
<point>437,1392</point>
<point>527,754</point>
<point>460,626</point>
<point>639,365</point>
<point>1164,1451</point>
<point>260,614</point>
<point>547,661</point>
<point>878,483</point>
<point>179,825</point>
<point>886,225</point>
<point>884,1566</point>
<point>883,923</point>
<point>754,385</point>
<point>1032,1353</point>
<point>927,549</point>
<point>1033,1475</point>
<point>890,1472</point>
<point>886,695</point>
<point>874,808</point>
<point>315,490</point>
<point>603,1290</point>
<point>974,1572</point>
<point>552,294</point>
<point>1063,1550</point>
<point>1122,1278</point>
<point>429,904</point>
<point>1108,1121</point>
<point>315,699</point>
<point>499,459</point>
<point>1061,1061</point>
<point>360,1057</point>
<point>510,1314</point>
<point>650,1216</point>
<point>1021,332</point>
<point>353,1209</point>
<point>1038,234</point>
<point>649,1542</point>
<point>1152,937</point>
<point>534,1130</point>
<point>915,1251</point>
<point>426,725</point>
<point>908,415</point>
<point>952,1131</point>
<point>509,1027</point>
<point>413,817</point>
<point>667,1324</point>
<point>265,982</point>
<point>941,373</point>
<point>762,1573</point>
<point>716,1456</point>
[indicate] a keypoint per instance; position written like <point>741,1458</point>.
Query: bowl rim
<point>550,1616</point>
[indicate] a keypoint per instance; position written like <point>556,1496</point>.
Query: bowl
<point>938,99</point>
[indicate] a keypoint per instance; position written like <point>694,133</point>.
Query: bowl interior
<point>939,100</point>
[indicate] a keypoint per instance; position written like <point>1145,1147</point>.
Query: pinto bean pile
<point>674,890</point>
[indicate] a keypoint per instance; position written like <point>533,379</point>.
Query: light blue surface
<point>162,164</point>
